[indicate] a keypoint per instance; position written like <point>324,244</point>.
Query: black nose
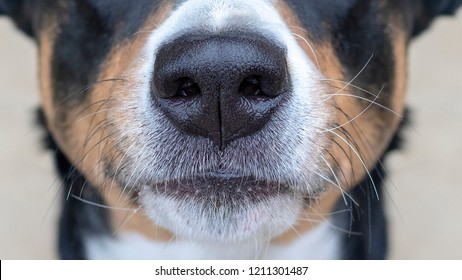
<point>220,87</point>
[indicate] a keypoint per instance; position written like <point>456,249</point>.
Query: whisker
<point>373,102</point>
<point>102,205</point>
<point>361,160</point>
<point>88,87</point>
<point>368,100</point>
<point>311,48</point>
<point>342,191</point>
<point>329,223</point>
<point>350,85</point>
<point>126,219</point>
<point>355,77</point>
<point>92,114</point>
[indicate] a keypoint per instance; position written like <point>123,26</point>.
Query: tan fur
<point>45,53</point>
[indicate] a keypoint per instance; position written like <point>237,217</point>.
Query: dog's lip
<point>220,186</point>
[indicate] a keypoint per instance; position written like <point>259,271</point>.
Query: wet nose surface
<point>220,87</point>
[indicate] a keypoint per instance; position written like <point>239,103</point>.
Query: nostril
<point>186,88</point>
<point>183,87</point>
<point>251,86</point>
<point>262,86</point>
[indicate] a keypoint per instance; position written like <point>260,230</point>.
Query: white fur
<point>262,220</point>
<point>320,244</point>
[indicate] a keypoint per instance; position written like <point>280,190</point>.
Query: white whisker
<point>311,48</point>
<point>361,160</point>
<point>373,102</point>
<point>353,79</point>
<point>368,100</point>
<point>104,206</point>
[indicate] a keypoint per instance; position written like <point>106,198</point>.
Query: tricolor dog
<point>223,129</point>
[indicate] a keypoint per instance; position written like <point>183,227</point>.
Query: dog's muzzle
<point>224,123</point>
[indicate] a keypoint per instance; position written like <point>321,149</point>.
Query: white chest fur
<point>320,243</point>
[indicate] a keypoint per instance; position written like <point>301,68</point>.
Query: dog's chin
<point>222,209</point>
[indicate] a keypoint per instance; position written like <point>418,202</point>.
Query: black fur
<point>81,46</point>
<point>90,30</point>
<point>361,40</point>
<point>424,11</point>
<point>21,12</point>
<point>357,28</point>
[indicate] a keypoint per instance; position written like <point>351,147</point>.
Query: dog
<point>221,129</point>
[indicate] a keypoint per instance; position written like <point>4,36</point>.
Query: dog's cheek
<point>367,131</point>
<point>375,122</point>
<point>81,127</point>
<point>361,127</point>
<point>86,130</point>
<point>62,120</point>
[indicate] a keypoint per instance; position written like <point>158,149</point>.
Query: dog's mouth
<point>219,188</point>
<point>221,207</point>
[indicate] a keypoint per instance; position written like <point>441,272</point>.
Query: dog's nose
<point>220,87</point>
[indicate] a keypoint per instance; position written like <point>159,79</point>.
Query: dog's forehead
<point>120,20</point>
<point>317,14</point>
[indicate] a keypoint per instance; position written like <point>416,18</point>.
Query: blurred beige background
<point>425,196</point>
